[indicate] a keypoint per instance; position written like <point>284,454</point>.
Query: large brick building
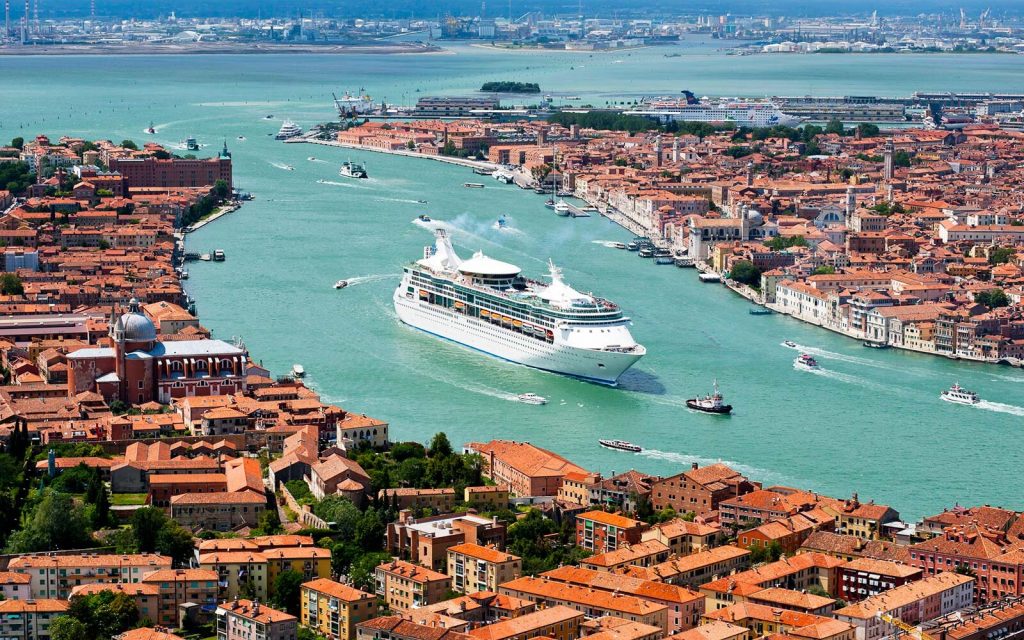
<point>526,469</point>
<point>173,172</point>
<point>700,489</point>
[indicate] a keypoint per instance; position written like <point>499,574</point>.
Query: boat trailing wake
<point>605,243</point>
<point>999,407</point>
<point>402,200</point>
<point>842,357</point>
<point>999,376</point>
<point>280,165</point>
<point>335,183</point>
<point>376,277</point>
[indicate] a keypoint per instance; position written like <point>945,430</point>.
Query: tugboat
<point>711,403</point>
<point>805,361</point>
<point>621,445</point>
<point>352,170</point>
<point>341,284</point>
<point>958,395</point>
<point>531,398</point>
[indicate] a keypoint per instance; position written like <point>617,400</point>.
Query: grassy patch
<point>127,499</point>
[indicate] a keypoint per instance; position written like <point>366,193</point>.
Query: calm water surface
<point>869,421</point>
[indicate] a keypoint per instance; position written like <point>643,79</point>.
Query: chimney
<point>694,466</point>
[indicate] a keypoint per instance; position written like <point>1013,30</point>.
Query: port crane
<point>914,632</point>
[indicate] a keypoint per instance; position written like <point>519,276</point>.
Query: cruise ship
<point>742,113</point>
<point>487,305</point>
<point>288,130</point>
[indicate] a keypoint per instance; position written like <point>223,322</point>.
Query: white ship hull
<point>604,367</point>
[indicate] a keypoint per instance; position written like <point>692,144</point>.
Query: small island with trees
<point>508,86</point>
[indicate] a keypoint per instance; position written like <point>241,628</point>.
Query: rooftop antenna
<point>7,19</point>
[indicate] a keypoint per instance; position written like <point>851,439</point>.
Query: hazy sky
<point>431,8</point>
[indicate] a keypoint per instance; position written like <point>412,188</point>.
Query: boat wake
<point>432,224</point>
<point>402,200</point>
<point>604,243</point>
<point>842,357</point>
<point>999,407</point>
<point>999,376</point>
<point>376,277</point>
<point>280,165</point>
<point>335,183</point>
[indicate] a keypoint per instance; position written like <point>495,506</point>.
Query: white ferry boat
<point>288,130</point>
<point>622,445</point>
<point>298,371</point>
<point>487,305</point>
<point>353,170</point>
<point>742,113</point>
<point>531,398</point>
<point>959,395</point>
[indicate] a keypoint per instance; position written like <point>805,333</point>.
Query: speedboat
<point>531,398</point>
<point>341,284</point>
<point>789,343</point>
<point>621,445</point>
<point>473,185</point>
<point>270,117</point>
<point>298,371</point>
<point>711,403</point>
<point>241,137</point>
<point>150,129</point>
<point>311,158</point>
<point>289,167</point>
<point>805,361</point>
<point>423,218</point>
<point>959,395</point>
<point>501,223</point>
<point>618,245</point>
<point>421,202</point>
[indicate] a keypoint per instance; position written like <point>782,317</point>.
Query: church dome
<point>135,326</point>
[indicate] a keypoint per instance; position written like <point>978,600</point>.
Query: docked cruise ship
<point>742,113</point>
<point>487,305</point>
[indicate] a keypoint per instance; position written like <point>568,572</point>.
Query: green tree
<point>57,522</point>
<point>221,189</point>
<point>992,298</point>
<point>18,143</point>
<point>1001,255</point>
<point>340,511</point>
<point>867,130</point>
<point>147,523</point>
<point>68,628</point>
<point>175,541</point>
<point>744,271</point>
<point>269,524</point>
<point>778,243</point>
<point>362,569</point>
<point>105,614</point>
<point>439,445</point>
<point>964,570</point>
<point>823,270</point>
<point>287,586</point>
<point>411,472</point>
<point>129,144</point>
<point>405,450</point>
<point>10,285</point>
<point>901,159</point>
<point>370,531</point>
<point>835,126</point>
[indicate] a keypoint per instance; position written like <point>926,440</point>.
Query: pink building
<point>245,620</point>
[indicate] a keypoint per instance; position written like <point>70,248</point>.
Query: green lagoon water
<point>869,421</point>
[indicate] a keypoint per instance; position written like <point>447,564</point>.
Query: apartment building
<point>913,603</point>
<point>404,585</point>
<point>797,574</point>
<point>866,577</point>
<point>526,469</point>
<point>696,569</point>
<point>700,489</point>
<point>593,603</point>
<point>557,622</point>
<point>600,531</point>
<point>426,541</point>
<point>250,620</point>
<point>56,576</point>
<point>333,610</point>
<point>683,537</point>
<point>24,619</point>
<point>179,586</point>
<point>473,567</point>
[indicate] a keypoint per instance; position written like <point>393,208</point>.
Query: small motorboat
<point>269,117</point>
<point>241,137</point>
<point>473,185</point>
<point>759,311</point>
<point>421,202</point>
<point>872,344</point>
<point>531,398</point>
<point>789,343</point>
<point>423,218</point>
<point>711,403</point>
<point>341,284</point>
<point>958,395</point>
<point>549,203</point>
<point>806,361</point>
<point>622,445</point>
<point>150,130</point>
<point>501,223</point>
<point>289,167</point>
<point>298,371</point>
<point>311,158</point>
<point>184,274</point>
<point>618,245</point>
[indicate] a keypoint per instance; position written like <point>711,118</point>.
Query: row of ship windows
<point>537,333</point>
